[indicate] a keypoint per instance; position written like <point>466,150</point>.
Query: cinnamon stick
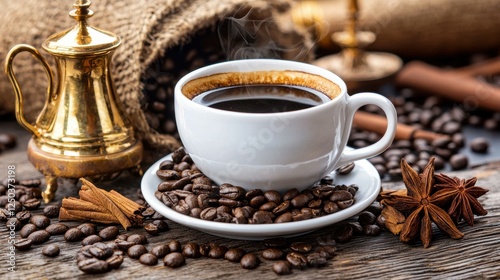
<point>453,85</point>
<point>107,203</point>
<point>68,215</point>
<point>378,124</point>
<point>98,205</point>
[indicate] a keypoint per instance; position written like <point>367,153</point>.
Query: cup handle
<point>354,103</point>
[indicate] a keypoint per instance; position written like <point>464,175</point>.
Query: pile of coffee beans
<point>186,190</point>
<point>433,114</point>
<point>160,79</point>
<point>98,258</point>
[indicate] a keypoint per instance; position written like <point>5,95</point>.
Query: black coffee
<point>262,98</point>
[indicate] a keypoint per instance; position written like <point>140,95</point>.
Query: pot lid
<point>81,39</point>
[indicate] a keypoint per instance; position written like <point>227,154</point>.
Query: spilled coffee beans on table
<point>186,190</point>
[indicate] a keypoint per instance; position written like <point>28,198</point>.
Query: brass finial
<point>358,68</point>
<point>81,13</point>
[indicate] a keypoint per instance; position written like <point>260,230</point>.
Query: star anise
<point>420,206</point>
<point>463,195</point>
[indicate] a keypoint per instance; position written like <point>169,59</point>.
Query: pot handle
<point>17,90</point>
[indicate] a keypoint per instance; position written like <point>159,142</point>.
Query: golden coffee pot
<point>82,131</point>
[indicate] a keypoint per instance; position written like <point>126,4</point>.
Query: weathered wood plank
<point>476,256</point>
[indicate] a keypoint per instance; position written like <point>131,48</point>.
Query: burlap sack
<point>411,28</point>
<point>161,41</point>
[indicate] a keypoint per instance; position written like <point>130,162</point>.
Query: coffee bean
<point>273,196</point>
<point>231,192</point>
<point>51,250</point>
<point>191,250</point>
<point>166,165</point>
<point>253,193</point>
<point>343,233</point>
<point>122,236</point>
<point>160,251</point>
<point>100,250</point>
<point>316,260</point>
<point>205,249</point>
<point>345,204</point>
<point>297,260</point>
<point>330,207</point>
<point>137,238</point>
<point>23,244</point>
<point>217,251</point>
<point>174,260</point>
<point>262,217</point>
<point>57,229</point>
<point>301,247</point>
<point>73,234</point>
<point>357,228</point>
<point>23,216</point>
<point>178,154</point>
<point>479,145</point>
<point>175,246</point>
<point>148,259</point>
<point>278,242</point>
<point>257,201</point>
<point>115,261</point>
<point>93,266</point>
<point>300,200</point>
<point>167,175</point>
<point>51,211</point>
<point>346,169</point>
<point>268,206</point>
<point>491,124</point>
<point>340,195</point>
<point>123,245</point>
<point>8,140</point>
<point>32,204</point>
<point>272,254</point>
<point>290,194</point>
<point>136,251</point>
<point>282,267</point>
<point>109,233</point>
<point>15,206</point>
<point>458,139</point>
<point>326,252</point>
<point>459,161</point>
<point>284,218</point>
<point>151,228</point>
<point>374,208</point>
<point>39,236</point>
<point>208,214</point>
<point>371,230</point>
<point>234,255</point>
<point>27,230</point>
<point>87,229</point>
<point>249,261</point>
<point>91,239</point>
<point>148,212</point>
<point>40,221</point>
<point>366,218</point>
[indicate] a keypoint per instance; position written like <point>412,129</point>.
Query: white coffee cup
<point>273,151</point>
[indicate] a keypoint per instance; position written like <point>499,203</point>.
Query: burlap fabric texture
<point>161,41</point>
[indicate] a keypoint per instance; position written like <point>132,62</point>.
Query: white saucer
<point>364,175</point>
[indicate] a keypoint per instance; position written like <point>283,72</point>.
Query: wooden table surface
<point>476,256</point>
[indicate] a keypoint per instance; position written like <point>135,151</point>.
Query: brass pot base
<point>53,166</point>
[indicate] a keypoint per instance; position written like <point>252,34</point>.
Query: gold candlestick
<point>358,68</point>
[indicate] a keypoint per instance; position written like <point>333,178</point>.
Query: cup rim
<point>234,66</point>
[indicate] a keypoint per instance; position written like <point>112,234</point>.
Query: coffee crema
<point>200,85</point>
<point>261,98</point>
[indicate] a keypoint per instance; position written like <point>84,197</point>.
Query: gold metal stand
<point>359,69</point>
